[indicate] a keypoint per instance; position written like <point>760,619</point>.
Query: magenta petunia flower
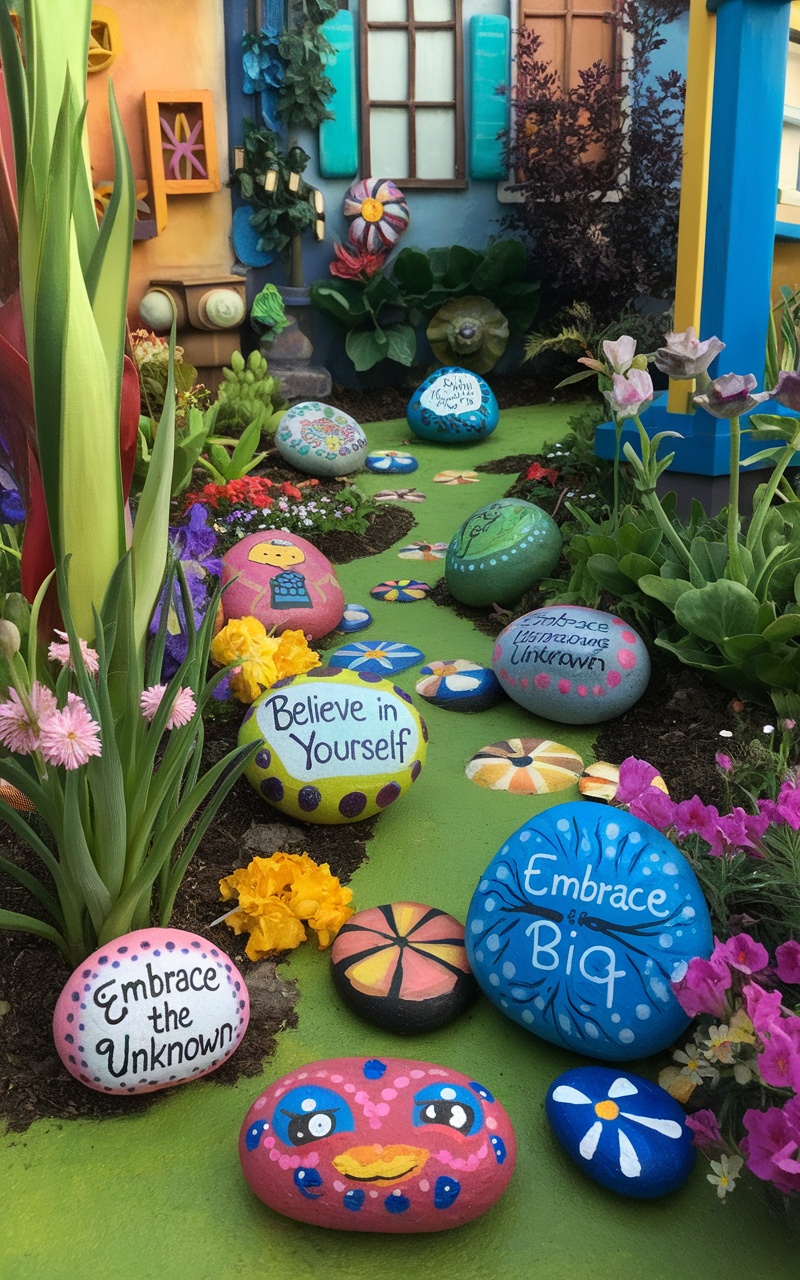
<point>745,954</point>
<point>703,987</point>
<point>787,962</point>
<point>723,762</point>
<point>635,776</point>
<point>763,1007</point>
<point>772,1144</point>
<point>788,805</point>
<point>70,737</point>
<point>779,1061</point>
<point>655,808</point>
<point>692,817</point>
<point>705,1129</point>
<point>61,653</point>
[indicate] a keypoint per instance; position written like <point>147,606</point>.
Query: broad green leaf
<point>402,343</point>
<point>667,590</point>
<point>412,271</point>
<point>364,348</point>
<point>718,611</point>
<point>710,559</point>
<point>607,574</point>
<point>635,566</point>
<point>783,628</point>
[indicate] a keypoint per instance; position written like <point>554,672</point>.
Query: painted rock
<point>391,461</point>
<point>500,551</point>
<point>150,1010</point>
<point>525,766</point>
<point>572,665</point>
<point>623,1131</point>
<point>403,967</point>
<point>338,746</point>
<point>580,924</point>
<point>386,657</point>
<point>283,581</point>
<point>459,685</point>
<point>320,440</point>
<point>453,406</point>
<point>401,590</point>
<point>355,618</point>
<point>427,551</point>
<point>377,1144</point>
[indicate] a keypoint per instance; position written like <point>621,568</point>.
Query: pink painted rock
<point>283,581</point>
<point>373,1144</point>
<point>152,1009</point>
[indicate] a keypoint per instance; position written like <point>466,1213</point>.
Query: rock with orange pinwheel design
<point>525,766</point>
<point>403,966</point>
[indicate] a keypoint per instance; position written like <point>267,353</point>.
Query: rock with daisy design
<point>321,440</point>
<point>623,1131</point>
<point>581,924</point>
<point>393,462</point>
<point>355,618</point>
<point>453,406</point>
<point>571,664</point>
<point>386,657</point>
<point>459,685</point>
<point>500,551</point>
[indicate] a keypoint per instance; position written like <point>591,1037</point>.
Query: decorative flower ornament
<point>379,212</point>
<point>731,395</point>
<point>684,356</point>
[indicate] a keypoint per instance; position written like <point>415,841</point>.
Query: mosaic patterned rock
<point>403,967</point>
<point>459,685</point>
<point>525,767</point>
<point>337,746</point>
<point>571,664</point>
<point>500,552</point>
<point>321,440</point>
<point>453,406</point>
<point>377,1144</point>
<point>284,581</point>
<point>401,590</point>
<point>622,1131</point>
<point>355,618</point>
<point>391,462</point>
<point>580,924</point>
<point>386,657</point>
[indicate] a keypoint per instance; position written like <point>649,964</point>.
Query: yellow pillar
<point>694,185</point>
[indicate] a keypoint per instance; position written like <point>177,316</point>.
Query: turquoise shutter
<point>338,138</point>
<point>490,63</point>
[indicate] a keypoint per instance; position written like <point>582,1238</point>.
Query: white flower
<point>608,1112</point>
<point>726,1171</point>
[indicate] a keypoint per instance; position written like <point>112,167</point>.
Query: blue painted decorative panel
<point>490,44</point>
<point>338,138</point>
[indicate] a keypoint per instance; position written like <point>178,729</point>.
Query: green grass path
<point>161,1194</point>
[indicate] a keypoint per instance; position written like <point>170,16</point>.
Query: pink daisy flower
<point>61,653</point>
<point>18,730</point>
<point>70,737</point>
<point>183,708</point>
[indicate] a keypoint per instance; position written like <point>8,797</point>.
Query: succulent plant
<point>248,394</point>
<point>470,332</point>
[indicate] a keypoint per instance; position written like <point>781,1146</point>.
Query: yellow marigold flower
<point>276,928</point>
<point>329,917</point>
<point>293,656</point>
<point>245,642</point>
<point>277,894</point>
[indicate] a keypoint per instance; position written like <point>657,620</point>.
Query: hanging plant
<point>469,332</point>
<point>305,89</point>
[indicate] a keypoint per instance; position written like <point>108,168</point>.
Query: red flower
<point>290,490</point>
<point>357,265</point>
<point>537,472</point>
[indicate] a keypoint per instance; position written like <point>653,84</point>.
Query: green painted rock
<point>500,551</point>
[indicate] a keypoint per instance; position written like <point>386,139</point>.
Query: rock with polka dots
<point>571,664</point>
<point>378,1144</point>
<point>579,926</point>
<point>150,1010</point>
<point>337,745</point>
<point>500,552</point>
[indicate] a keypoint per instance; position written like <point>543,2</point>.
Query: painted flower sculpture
<point>379,212</point>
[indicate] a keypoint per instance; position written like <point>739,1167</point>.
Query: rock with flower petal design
<point>391,462</point>
<point>284,581</point>
<point>459,685</point>
<point>379,214</point>
<point>579,926</point>
<point>500,552</point>
<point>423,551</point>
<point>453,406</point>
<point>355,618</point>
<point>525,766</point>
<point>571,664</point>
<point>386,657</point>
<point>623,1131</point>
<point>337,745</point>
<point>401,590</point>
<point>321,440</point>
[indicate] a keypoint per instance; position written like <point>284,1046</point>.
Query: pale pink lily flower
<point>630,394</point>
<point>61,653</point>
<point>620,354</point>
<point>730,396</point>
<point>18,730</point>
<point>183,708</point>
<point>684,356</point>
<point>70,737</point>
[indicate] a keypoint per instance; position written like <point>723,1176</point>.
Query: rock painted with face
<point>385,1144</point>
<point>284,581</point>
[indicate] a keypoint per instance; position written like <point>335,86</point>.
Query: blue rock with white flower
<point>453,406</point>
<point>579,926</point>
<point>459,685</point>
<point>621,1130</point>
<point>385,657</point>
<point>355,618</point>
<point>393,462</point>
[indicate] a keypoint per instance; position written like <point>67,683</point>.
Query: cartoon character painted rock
<point>284,581</point>
<point>377,1145</point>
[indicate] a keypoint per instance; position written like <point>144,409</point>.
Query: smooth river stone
<point>623,1131</point>
<point>525,766</point>
<point>337,746</point>
<point>403,967</point>
<point>453,406</point>
<point>391,462</point>
<point>321,440</point>
<point>284,581</point>
<point>385,657</point>
<point>571,664</point>
<point>377,1144</point>
<point>355,618</point>
<point>500,552</point>
<point>150,1010</point>
<point>579,925</point>
<point>459,685</point>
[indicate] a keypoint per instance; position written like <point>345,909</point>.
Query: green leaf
<point>364,347</point>
<point>711,559</point>
<point>412,272</point>
<point>718,611</point>
<point>402,343</point>
<point>635,566</point>
<point>607,574</point>
<point>461,266</point>
<point>784,628</point>
<point>505,260</point>
<point>667,590</point>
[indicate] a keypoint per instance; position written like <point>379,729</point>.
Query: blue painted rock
<point>623,1131</point>
<point>337,746</point>
<point>572,665</point>
<point>391,462</point>
<point>386,657</point>
<point>580,924</point>
<point>459,685</point>
<point>403,967</point>
<point>321,440</point>
<point>401,590</point>
<point>453,406</point>
<point>284,581</point>
<point>377,1144</point>
<point>150,1010</point>
<point>355,618</point>
<point>500,551</point>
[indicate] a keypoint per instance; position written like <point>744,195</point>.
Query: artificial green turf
<point>161,1194</point>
